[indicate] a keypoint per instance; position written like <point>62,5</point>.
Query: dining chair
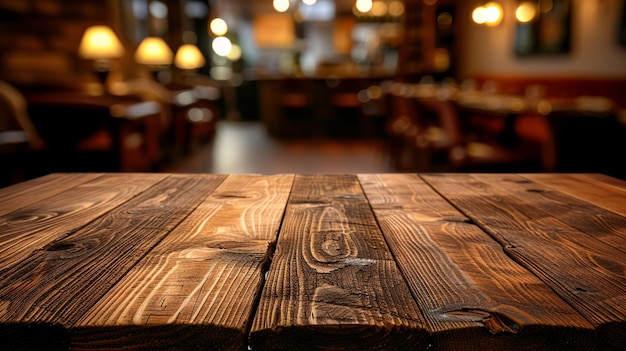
<point>19,138</point>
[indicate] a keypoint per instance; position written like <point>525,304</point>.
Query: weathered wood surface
<point>35,190</point>
<point>60,281</point>
<point>588,274</point>
<point>568,207</point>
<point>333,283</point>
<point>598,189</point>
<point>471,292</point>
<point>197,289</point>
<point>357,262</point>
<point>32,227</point>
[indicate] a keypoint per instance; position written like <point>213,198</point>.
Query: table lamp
<point>100,44</point>
<point>189,58</point>
<point>155,54</point>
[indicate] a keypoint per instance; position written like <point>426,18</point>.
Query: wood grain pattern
<point>313,262</point>
<point>38,189</point>
<point>592,220</point>
<point>69,275</point>
<point>333,283</point>
<point>199,286</point>
<point>470,292</point>
<point>601,190</point>
<point>30,228</point>
<point>586,273</point>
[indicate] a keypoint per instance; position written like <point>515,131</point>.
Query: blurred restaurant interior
<point>434,85</point>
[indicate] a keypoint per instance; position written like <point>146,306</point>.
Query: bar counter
<point>455,261</point>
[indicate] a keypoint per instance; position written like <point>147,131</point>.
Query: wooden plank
<point>30,228</point>
<point>67,277</point>
<point>25,193</point>
<point>197,289</point>
<point>604,180</point>
<point>601,190</point>
<point>471,293</point>
<point>333,283</point>
<point>595,221</point>
<point>585,272</point>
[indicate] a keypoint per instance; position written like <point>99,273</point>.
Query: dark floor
<point>246,147</point>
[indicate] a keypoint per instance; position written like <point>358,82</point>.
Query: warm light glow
<point>218,26</point>
<point>235,53</point>
<point>281,5</point>
<point>526,12</point>
<point>222,46</point>
<point>364,6</point>
<point>478,15</point>
<point>379,8</point>
<point>396,8</point>
<point>544,107</point>
<point>274,30</point>
<point>489,14</point>
<point>375,92</point>
<point>99,42</point>
<point>444,20</point>
<point>493,14</point>
<point>189,56</point>
<point>153,51</point>
<point>442,59</point>
<point>309,2</point>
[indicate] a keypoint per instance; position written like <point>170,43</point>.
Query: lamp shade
<point>189,56</point>
<point>100,42</point>
<point>153,51</point>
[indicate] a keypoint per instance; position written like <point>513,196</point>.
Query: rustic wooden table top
<point>299,262</point>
